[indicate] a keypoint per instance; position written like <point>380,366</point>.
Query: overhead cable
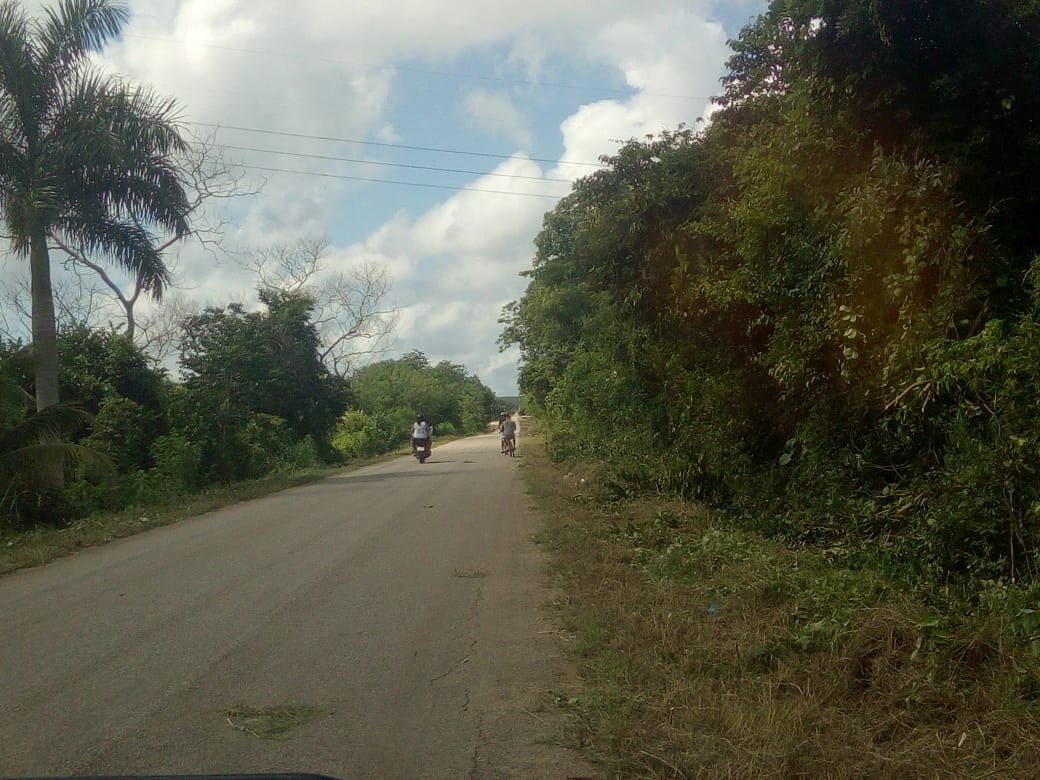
<point>400,183</point>
<point>388,145</point>
<point>392,165</point>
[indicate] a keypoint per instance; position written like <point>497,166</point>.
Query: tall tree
<point>353,319</point>
<point>84,158</point>
<point>242,369</point>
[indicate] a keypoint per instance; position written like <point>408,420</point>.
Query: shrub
<point>124,430</point>
<point>268,442</point>
<point>304,453</point>
<point>177,465</point>
<point>360,434</point>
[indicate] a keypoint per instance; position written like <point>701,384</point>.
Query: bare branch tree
<point>352,315</point>
<point>75,304</point>
<point>354,320</point>
<point>209,176</point>
<point>160,329</point>
<point>290,268</point>
<point>15,314</point>
<point>76,261</point>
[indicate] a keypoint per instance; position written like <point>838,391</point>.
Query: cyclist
<point>508,428</point>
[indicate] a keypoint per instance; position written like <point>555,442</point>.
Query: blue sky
<point>515,89</point>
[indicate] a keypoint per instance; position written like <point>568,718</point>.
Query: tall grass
<point>708,652</point>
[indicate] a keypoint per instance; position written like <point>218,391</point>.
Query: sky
<point>454,125</point>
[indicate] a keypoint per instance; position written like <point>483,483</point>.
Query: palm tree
<point>84,158</point>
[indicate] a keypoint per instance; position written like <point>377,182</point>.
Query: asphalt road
<point>385,623</point>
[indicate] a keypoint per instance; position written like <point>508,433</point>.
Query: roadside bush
<point>177,466</point>
<point>269,444</point>
<point>976,512</point>
<point>97,492</point>
<point>124,430</point>
<point>360,434</point>
<point>305,453</point>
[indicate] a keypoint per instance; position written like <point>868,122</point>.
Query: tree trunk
<point>45,345</point>
<point>131,324</point>
<point>44,328</point>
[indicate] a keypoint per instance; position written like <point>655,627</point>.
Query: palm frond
<point>77,27</point>
<point>17,75</point>
<point>145,122</point>
<point>125,240</point>
<point>27,469</point>
<point>11,158</point>
<point>36,447</point>
<point>14,49</point>
<point>81,151</point>
<point>53,423</point>
<point>112,148</point>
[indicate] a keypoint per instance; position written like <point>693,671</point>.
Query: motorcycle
<point>422,450</point>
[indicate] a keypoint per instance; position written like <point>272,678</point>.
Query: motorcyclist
<point>421,433</point>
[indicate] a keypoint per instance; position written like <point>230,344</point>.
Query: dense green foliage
<point>391,393</point>
<point>255,386</point>
<point>820,313</point>
<point>255,398</point>
<point>33,444</point>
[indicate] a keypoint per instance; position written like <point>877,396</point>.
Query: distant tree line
<point>388,395</point>
<point>254,398</point>
<point>820,313</point>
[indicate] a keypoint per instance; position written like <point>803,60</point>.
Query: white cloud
<point>456,265</point>
<point>673,60</point>
<point>239,63</point>
<point>473,222</point>
<point>497,114</point>
<point>334,69</point>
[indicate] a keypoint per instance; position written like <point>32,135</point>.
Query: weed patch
<point>271,722</point>
<point>708,651</point>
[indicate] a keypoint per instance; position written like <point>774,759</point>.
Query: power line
<point>387,145</point>
<point>399,183</point>
<point>393,165</point>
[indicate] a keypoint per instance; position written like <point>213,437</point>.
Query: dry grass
<point>708,653</point>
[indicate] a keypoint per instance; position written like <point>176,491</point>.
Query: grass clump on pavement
<point>271,722</point>
<point>710,652</point>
